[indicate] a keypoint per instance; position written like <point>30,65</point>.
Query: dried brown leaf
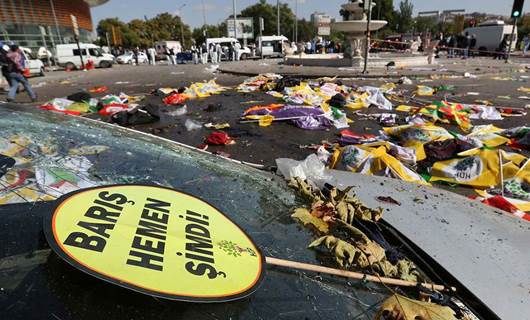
<point>398,307</point>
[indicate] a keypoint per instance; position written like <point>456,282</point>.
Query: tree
<point>166,26</point>
<point>427,24</point>
<point>142,33</point>
<point>212,31</point>
<point>117,30</point>
<point>384,10</point>
<point>268,13</point>
<point>306,30</point>
<point>404,20</point>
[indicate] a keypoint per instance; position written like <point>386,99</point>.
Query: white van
<point>244,52</point>
<point>490,34</point>
<point>36,67</point>
<point>68,56</point>
<point>271,46</point>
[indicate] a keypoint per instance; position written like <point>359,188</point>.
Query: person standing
<point>472,45</point>
<point>526,44</point>
<point>231,52</point>
<point>152,55</point>
<point>219,51</point>
<point>213,53</point>
<point>172,56</point>
<point>15,69</point>
<point>503,49</point>
<point>168,56</point>
<point>135,55</point>
<point>451,44</point>
<point>194,53</point>
<point>204,53</point>
<point>237,48</point>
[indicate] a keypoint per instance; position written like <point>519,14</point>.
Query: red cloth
<point>50,107</point>
<point>175,98</point>
<point>112,108</point>
<point>99,89</point>
<point>219,138</point>
<point>500,202</point>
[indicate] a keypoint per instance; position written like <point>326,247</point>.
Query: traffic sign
<point>75,25</point>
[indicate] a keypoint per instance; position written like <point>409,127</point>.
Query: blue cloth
<point>15,79</point>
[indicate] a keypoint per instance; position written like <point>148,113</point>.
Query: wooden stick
<point>501,173</point>
<point>281,119</point>
<point>351,274</point>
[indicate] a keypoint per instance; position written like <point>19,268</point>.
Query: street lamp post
<point>511,40</point>
<point>367,47</point>
<point>296,21</point>
<point>56,22</point>
<point>235,18</point>
<point>278,17</point>
<point>181,25</point>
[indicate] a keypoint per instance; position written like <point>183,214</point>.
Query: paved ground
<point>442,67</point>
<point>263,145</point>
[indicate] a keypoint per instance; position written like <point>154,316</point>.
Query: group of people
<point>214,52</point>
<point>320,45</point>
<point>461,45</point>
<point>13,66</point>
<point>200,54</point>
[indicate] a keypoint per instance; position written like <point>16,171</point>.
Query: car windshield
<point>60,152</point>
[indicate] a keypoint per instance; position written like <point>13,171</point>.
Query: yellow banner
<point>157,241</point>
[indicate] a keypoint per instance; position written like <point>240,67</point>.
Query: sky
<point>218,10</point>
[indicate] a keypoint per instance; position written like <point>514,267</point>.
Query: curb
<point>352,75</point>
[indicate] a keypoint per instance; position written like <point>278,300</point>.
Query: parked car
<point>69,57</point>
<point>36,281</point>
<point>128,58</point>
<point>36,67</point>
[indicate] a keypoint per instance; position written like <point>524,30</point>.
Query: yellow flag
<point>266,121</point>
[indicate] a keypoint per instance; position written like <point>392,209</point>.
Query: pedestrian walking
<point>15,69</point>
<point>4,62</point>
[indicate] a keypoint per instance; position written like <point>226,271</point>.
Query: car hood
<point>60,147</point>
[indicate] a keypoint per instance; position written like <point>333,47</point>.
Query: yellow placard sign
<point>157,241</point>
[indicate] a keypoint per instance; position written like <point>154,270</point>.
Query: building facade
<point>25,21</point>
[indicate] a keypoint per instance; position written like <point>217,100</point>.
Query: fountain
<point>354,27</point>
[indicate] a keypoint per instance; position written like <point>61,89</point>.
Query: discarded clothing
<point>79,96</point>
<point>219,138</point>
<point>175,99</point>
<point>136,116</point>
